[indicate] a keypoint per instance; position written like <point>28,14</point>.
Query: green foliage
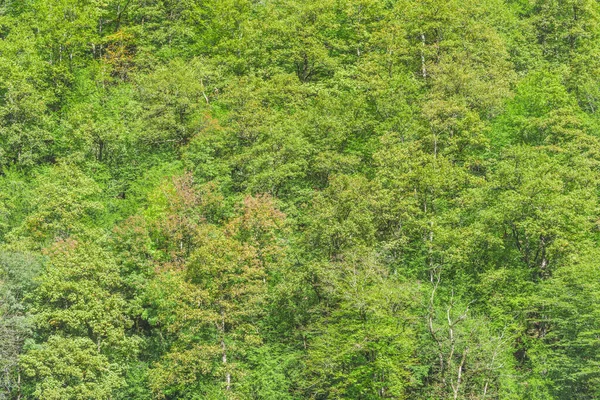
<point>363,345</point>
<point>70,368</point>
<point>285,199</point>
<point>17,277</point>
<point>63,203</point>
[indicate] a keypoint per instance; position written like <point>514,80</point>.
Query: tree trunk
<point>224,352</point>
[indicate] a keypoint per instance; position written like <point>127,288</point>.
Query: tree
<point>77,307</point>
<point>64,203</point>
<point>70,368</point>
<point>210,309</point>
<point>17,278</point>
<point>361,343</point>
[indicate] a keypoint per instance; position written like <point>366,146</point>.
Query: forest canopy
<point>299,199</point>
